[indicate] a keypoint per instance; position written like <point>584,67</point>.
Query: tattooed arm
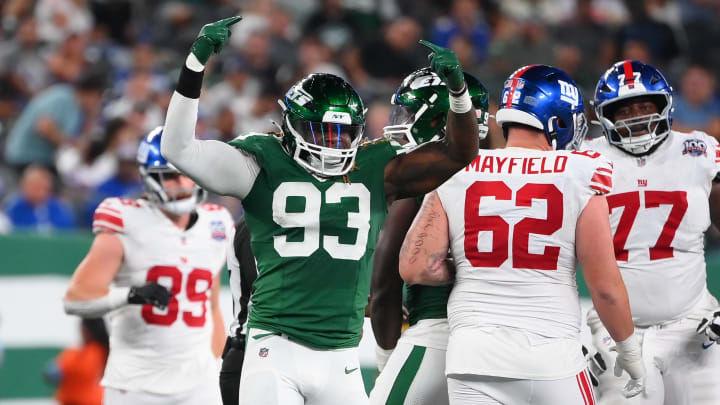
<point>423,253</point>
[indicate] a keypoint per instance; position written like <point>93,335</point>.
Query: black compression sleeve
<point>248,268</point>
<point>190,82</point>
<point>230,371</point>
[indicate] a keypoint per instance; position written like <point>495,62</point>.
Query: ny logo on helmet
<point>337,117</point>
<point>569,93</point>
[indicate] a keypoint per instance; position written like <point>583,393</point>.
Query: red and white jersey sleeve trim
<point>108,217</point>
<point>717,153</point>
<point>601,181</point>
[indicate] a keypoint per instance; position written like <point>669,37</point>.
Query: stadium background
<point>124,55</point>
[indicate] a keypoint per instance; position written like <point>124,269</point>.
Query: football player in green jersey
<point>415,372</point>
<point>314,199</point>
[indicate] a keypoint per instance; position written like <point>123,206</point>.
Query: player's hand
<point>445,63</point>
<point>710,327</point>
<point>595,365</point>
<point>629,358</point>
<point>212,38</point>
<point>151,293</point>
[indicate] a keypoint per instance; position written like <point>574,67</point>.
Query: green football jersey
<point>313,240</point>
<point>426,302</point>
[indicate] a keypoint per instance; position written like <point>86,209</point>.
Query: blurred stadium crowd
<point>81,81</point>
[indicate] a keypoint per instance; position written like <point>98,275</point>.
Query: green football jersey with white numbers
<point>313,240</point>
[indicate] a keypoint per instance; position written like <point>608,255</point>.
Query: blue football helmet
<point>628,79</point>
<point>154,169</point>
<point>545,98</point>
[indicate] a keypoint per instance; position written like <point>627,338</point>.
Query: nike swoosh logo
<point>262,335</point>
<point>705,347</point>
<point>350,371</point>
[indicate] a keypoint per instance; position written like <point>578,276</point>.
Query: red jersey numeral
<point>522,258</point>
<point>588,153</point>
<point>197,296</point>
<point>653,199</point>
<point>129,202</point>
<point>631,204</point>
<point>475,223</point>
<point>148,311</point>
<point>212,207</point>
<point>152,317</point>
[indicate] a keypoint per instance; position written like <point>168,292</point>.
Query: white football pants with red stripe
<point>486,390</point>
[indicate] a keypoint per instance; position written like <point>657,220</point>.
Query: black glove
<point>710,326</point>
<point>595,365</point>
<point>151,293</point>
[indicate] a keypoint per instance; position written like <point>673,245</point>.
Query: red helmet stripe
<point>629,74</point>
<point>514,84</point>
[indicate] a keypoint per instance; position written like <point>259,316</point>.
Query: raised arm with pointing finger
<point>223,169</point>
<point>215,165</point>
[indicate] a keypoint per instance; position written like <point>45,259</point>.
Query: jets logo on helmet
<point>628,80</point>
<point>420,107</point>
<point>299,96</point>
<point>545,98</point>
<point>323,122</point>
<point>154,170</point>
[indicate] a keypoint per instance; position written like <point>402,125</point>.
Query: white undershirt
<point>214,165</point>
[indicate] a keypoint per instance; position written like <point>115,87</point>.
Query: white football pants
<point>679,370</point>
<point>414,375</point>
<point>206,394</point>
<point>277,371</point>
<point>466,389</point>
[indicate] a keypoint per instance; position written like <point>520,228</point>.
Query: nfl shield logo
<point>641,161</point>
<point>217,230</point>
<point>263,352</point>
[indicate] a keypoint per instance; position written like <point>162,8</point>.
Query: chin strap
<point>181,207</point>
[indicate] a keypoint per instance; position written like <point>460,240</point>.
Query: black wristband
<point>190,82</point>
<point>459,92</point>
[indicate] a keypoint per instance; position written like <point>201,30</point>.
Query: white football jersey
<point>659,212</point>
<point>163,351</point>
<point>512,215</point>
